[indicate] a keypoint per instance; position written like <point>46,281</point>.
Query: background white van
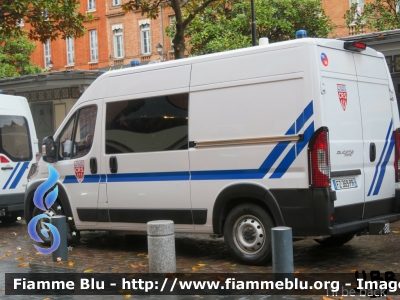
<point>18,151</point>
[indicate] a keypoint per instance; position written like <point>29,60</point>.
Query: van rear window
<point>15,140</point>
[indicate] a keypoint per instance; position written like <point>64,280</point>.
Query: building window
<point>147,125</point>
<point>360,6</point>
<point>70,51</point>
<point>116,2</point>
<point>20,23</point>
<point>91,5</point>
<point>145,38</point>
<point>94,56</point>
<point>47,54</point>
<point>118,42</point>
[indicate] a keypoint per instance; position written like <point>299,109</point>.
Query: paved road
<point>100,252</point>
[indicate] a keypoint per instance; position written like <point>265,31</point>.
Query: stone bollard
<point>161,247</point>
<point>60,222</point>
<point>282,252</point>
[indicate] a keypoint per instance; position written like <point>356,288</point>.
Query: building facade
<point>336,10</point>
<point>50,95</point>
<point>112,40</point>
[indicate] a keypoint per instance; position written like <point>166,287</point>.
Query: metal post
<point>162,32</point>
<point>60,222</point>
<point>161,246</point>
<point>253,24</point>
<point>282,251</point>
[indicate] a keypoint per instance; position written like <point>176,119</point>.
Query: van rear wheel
<point>335,240</point>
<point>247,233</point>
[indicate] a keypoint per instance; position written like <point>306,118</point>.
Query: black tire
<point>56,209</point>
<point>247,233</point>
<point>335,240</point>
<point>8,219</point>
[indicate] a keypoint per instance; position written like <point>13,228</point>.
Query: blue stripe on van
<point>380,158</point>
<point>383,167</point>
<point>303,118</point>
<point>227,174</point>
<point>12,174</point>
<point>156,176</point>
<point>293,153</point>
<point>281,146</point>
<point>19,175</point>
<point>86,179</point>
<point>222,174</point>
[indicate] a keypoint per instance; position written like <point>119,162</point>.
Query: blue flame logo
<point>45,205</point>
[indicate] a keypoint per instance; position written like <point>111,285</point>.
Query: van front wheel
<point>247,233</point>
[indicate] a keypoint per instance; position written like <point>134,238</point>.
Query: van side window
<point>15,139</point>
<point>65,141</point>
<point>147,125</point>
<point>84,131</point>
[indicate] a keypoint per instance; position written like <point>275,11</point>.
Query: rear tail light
<point>318,159</point>
<point>355,46</point>
<point>397,154</point>
<point>4,159</point>
<point>38,157</point>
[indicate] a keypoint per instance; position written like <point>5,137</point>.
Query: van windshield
<point>15,139</point>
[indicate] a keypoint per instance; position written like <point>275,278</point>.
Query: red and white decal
<point>342,92</point>
<point>79,167</point>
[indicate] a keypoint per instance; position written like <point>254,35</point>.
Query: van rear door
<point>341,113</point>
<point>377,124</point>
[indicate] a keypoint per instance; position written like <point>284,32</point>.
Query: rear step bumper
<point>361,224</point>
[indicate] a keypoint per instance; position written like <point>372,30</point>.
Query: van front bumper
<point>11,204</point>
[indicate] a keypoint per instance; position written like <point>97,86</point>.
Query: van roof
<point>13,105</point>
<point>330,43</point>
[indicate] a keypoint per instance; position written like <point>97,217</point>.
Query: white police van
<point>18,151</point>
<point>302,133</point>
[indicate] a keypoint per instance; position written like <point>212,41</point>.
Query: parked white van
<point>18,151</point>
<point>303,133</point>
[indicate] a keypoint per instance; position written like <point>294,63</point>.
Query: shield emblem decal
<point>342,92</point>
<point>79,167</point>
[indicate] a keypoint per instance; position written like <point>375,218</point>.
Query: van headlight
<point>33,171</point>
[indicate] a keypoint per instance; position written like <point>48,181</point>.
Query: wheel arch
<point>62,197</point>
<point>240,193</point>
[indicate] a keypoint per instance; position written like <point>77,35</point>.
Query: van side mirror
<point>49,150</point>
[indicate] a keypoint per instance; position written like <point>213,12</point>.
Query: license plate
<point>347,183</point>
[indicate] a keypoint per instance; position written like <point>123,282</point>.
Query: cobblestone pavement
<point>99,252</point>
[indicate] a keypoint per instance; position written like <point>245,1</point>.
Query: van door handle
<point>113,164</point>
<point>7,168</point>
<point>93,165</point>
<point>372,152</point>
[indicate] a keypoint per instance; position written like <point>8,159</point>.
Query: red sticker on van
<point>342,92</point>
<point>79,167</point>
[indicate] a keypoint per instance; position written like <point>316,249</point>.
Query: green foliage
<point>378,15</point>
<point>192,8</point>
<point>49,19</point>
<point>228,26</point>
<point>15,56</point>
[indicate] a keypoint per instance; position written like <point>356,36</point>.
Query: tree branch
<point>184,3</point>
<point>196,11</point>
